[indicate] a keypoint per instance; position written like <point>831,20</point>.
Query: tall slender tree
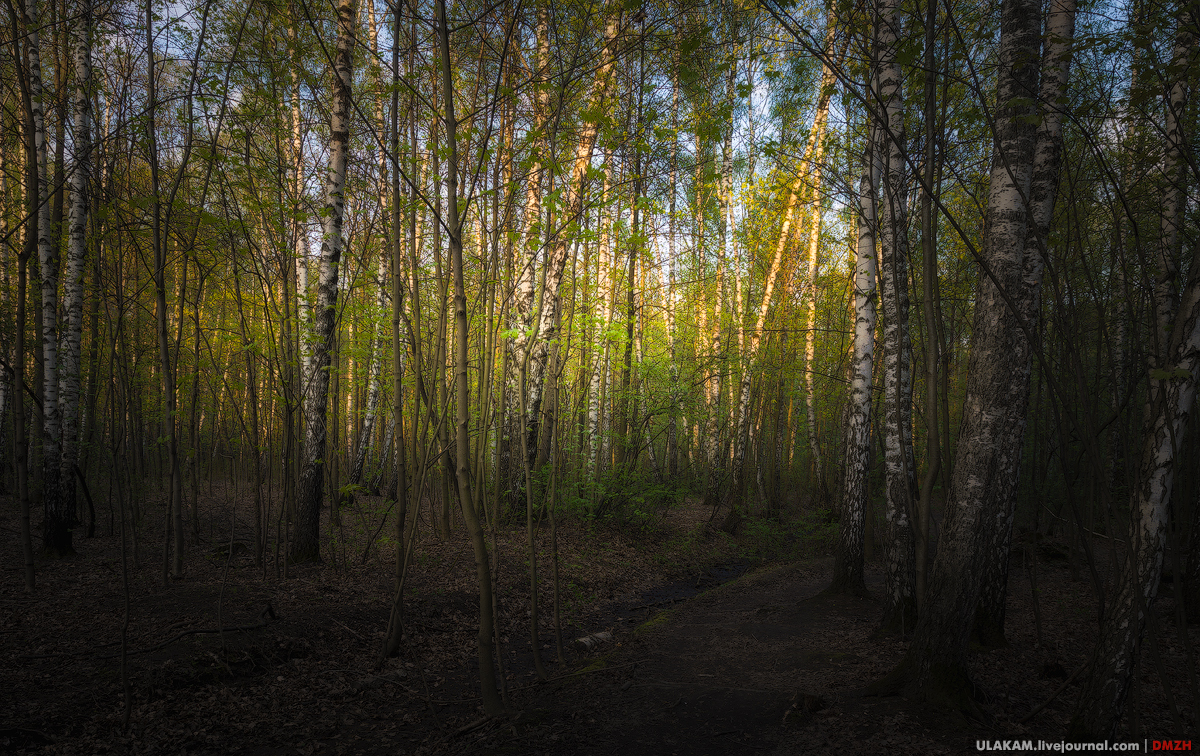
<point>305,545</point>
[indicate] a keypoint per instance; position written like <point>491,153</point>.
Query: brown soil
<point>713,673</point>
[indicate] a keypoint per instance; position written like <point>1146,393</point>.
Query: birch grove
<point>354,288</point>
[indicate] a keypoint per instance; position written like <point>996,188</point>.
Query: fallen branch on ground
<point>265,616</point>
<point>1053,695</point>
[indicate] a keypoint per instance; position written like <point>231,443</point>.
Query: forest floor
<point>714,645</point>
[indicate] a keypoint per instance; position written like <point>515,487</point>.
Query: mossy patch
<point>655,622</point>
<point>595,666</point>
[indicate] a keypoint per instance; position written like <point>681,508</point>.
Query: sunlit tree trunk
<point>27,246</point>
<point>672,445</point>
<point>601,313</point>
<point>716,368</point>
<point>816,146</point>
<point>546,329</point>
<point>6,388</point>
<point>305,546</point>
<point>525,291</point>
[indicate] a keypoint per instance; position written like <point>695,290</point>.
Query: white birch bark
<point>525,287</point>
<point>848,564</point>
<point>1047,161</point>
<point>556,260</point>
<point>817,149</point>
<point>936,662</point>
<point>375,362</point>
<point>305,544</point>
<point>716,465</point>
<point>56,531</point>
<point>6,307</point>
<point>299,227</point>
<point>899,461</point>
<point>601,314</point>
<point>76,250</point>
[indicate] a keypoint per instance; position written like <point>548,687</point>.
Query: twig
<point>1053,695</point>
<point>658,603</point>
<point>474,725</point>
<point>267,615</point>
<point>573,674</point>
<point>356,635</point>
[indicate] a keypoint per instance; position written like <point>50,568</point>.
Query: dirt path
<point>717,675</point>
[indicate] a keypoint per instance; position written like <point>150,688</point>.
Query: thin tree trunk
<point>848,564</point>
<point>305,546</point>
<point>899,611</point>
<point>58,509</point>
<point>716,466</point>
<point>20,442</point>
<point>551,303</point>
<point>929,282</point>
<point>492,704</point>
<point>170,427</point>
<point>76,250</point>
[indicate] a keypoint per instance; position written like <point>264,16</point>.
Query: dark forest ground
<point>703,660</point>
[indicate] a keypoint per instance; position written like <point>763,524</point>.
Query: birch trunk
<point>525,288</point>
<point>1172,389</point>
<point>58,508</point>
<point>935,666</point>
<point>375,362</point>
<point>817,148</point>
<point>672,448</point>
<point>899,610</point>
<point>5,308</point>
<point>76,250</point>
<point>546,328</point>
<point>808,183</point>
<point>28,243</point>
<point>848,564</point>
<point>374,370</point>
<point>299,227</point>
<point>1047,163</point>
<point>601,314</point>
<point>305,546</point>
<point>716,465</point>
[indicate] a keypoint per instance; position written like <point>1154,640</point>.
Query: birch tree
<point>76,250</point>
<point>900,466</point>
<point>305,545</point>
<point>848,563</point>
<point>58,509</point>
<point>1047,162</point>
<point>935,665</point>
